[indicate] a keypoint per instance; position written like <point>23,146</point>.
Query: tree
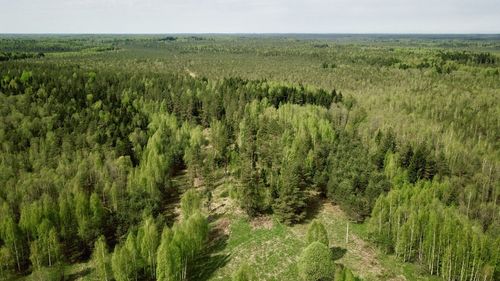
<point>135,261</point>
<point>219,138</point>
<point>82,214</point>
<point>190,203</point>
<point>148,241</point>
<point>250,196</point>
<point>289,207</point>
<point>45,250</point>
<point>180,247</point>
<point>10,234</point>
<point>317,232</point>
<point>123,269</point>
<point>69,225</point>
<point>193,153</point>
<point>249,192</point>
<point>7,261</point>
<point>315,263</point>
<point>168,257</point>
<point>158,158</point>
<point>100,259</point>
<point>97,213</point>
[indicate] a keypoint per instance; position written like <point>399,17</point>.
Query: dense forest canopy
<point>119,151</point>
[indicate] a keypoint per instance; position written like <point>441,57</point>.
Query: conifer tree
<point>289,207</point>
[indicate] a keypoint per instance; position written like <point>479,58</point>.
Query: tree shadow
<point>212,258</point>
<point>214,217</point>
<point>314,206</point>
<point>337,252</point>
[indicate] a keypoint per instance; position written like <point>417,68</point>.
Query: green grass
<point>273,252</point>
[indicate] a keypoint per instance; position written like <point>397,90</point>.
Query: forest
<point>249,157</point>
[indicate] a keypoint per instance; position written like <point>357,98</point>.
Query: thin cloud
<point>198,16</point>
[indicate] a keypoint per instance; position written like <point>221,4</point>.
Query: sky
<point>247,16</point>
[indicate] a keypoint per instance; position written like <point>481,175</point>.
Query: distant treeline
<point>468,57</point>
<point>19,56</point>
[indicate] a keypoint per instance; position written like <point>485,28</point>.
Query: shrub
<point>317,232</point>
<point>315,263</point>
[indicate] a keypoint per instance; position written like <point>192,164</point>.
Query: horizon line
<point>250,33</point>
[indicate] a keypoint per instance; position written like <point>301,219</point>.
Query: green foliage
<point>147,242</point>
<point>193,154</point>
<point>26,76</point>
<point>100,259</point>
<point>54,273</point>
<point>220,140</point>
<point>354,183</point>
<point>86,148</point>
<point>153,175</point>
<point>423,229</point>
<point>123,269</point>
<point>190,203</point>
<point>315,263</point>
<point>180,247</point>
<point>344,274</point>
<point>289,206</point>
<point>317,233</point>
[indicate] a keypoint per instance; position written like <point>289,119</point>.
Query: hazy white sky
<point>257,16</point>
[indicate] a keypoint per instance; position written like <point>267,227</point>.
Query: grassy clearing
<point>272,250</point>
<point>272,253</point>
